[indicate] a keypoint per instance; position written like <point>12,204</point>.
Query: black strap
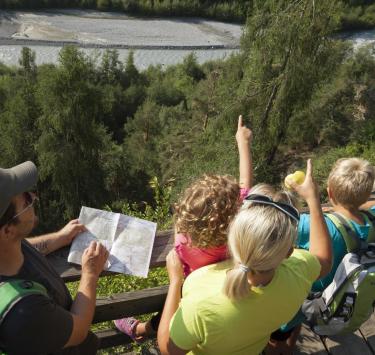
<point>371,233</point>
<point>370,216</point>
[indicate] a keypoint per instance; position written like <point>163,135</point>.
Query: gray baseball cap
<point>14,181</point>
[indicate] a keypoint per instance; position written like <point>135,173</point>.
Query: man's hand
<point>174,267</point>
<point>83,307</point>
<point>244,135</point>
<point>69,232</point>
<point>93,259</point>
<point>48,243</point>
<point>308,190</point>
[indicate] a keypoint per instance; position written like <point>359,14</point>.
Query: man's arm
<point>50,242</point>
<point>174,267</point>
<point>46,327</point>
<point>83,308</point>
<point>244,138</point>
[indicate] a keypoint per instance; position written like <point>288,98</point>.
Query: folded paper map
<point>129,240</point>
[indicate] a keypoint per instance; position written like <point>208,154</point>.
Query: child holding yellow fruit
<point>350,183</point>
<point>298,177</point>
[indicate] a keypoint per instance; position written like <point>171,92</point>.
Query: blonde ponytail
<point>236,285</point>
<point>260,237</point>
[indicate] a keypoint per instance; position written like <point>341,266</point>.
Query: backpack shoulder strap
<point>371,216</point>
<point>354,244</point>
<point>13,291</point>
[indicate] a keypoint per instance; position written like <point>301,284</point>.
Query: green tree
<point>72,139</point>
<point>288,55</point>
<point>132,75</point>
<point>27,61</point>
<point>111,69</point>
<point>19,113</point>
<point>103,4</point>
<point>142,133</point>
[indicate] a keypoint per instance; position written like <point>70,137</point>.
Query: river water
<point>154,41</point>
<point>164,41</point>
<point>143,58</point>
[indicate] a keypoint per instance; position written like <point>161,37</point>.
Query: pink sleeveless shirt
<point>193,258</point>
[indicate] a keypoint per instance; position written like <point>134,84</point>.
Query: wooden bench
<point>122,304</point>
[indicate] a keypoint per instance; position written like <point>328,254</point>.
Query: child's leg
<point>283,342</point>
<point>150,327</point>
<point>155,320</point>
<point>137,330</point>
<point>292,340</point>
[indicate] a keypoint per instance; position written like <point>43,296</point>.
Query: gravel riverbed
<point>155,41</point>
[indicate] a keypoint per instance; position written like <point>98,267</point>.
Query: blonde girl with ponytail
<point>232,307</point>
<point>260,238</point>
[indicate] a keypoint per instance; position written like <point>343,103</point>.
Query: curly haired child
<point>202,217</point>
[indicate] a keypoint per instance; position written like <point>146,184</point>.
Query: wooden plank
<point>309,343</point>
<point>130,304</point>
<point>368,331</point>
<point>112,337</point>
<point>70,272</point>
<point>348,344</point>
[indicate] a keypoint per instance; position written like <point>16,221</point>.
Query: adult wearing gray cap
<point>51,323</point>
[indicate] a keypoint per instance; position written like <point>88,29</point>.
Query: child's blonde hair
<point>351,181</point>
<point>206,209</point>
<point>260,238</point>
<point>279,195</point>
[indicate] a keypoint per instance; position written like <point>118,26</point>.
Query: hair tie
<point>244,268</point>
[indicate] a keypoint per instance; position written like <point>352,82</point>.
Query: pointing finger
<point>239,121</point>
<point>309,168</point>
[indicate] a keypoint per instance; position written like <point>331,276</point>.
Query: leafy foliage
<point>99,129</point>
<point>105,135</point>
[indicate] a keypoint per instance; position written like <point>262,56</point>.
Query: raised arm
<point>175,273</point>
<point>50,242</point>
<point>320,241</point>
<point>244,137</point>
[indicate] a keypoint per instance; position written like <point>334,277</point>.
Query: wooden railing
<point>124,304</point>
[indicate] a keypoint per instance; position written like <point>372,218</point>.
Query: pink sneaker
<point>128,326</point>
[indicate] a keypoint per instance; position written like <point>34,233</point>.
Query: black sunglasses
<point>30,199</point>
<point>289,210</point>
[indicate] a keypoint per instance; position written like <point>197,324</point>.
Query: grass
<point>109,285</point>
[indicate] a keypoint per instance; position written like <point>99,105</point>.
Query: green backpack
<point>13,291</point>
<point>350,299</point>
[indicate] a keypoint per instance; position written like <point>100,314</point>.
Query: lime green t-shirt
<point>207,322</point>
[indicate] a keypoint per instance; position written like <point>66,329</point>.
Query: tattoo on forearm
<point>42,246</point>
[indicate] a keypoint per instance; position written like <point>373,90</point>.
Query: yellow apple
<point>298,177</point>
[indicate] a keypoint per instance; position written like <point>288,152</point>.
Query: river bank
<point>156,41</point>
<point>106,29</point>
<point>164,41</point>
